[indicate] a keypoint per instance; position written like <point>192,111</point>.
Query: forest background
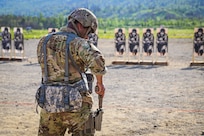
<point>179,16</point>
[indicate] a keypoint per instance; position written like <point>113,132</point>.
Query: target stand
<point>144,57</point>
<point>147,57</point>
<point>161,60</point>
<point>6,47</point>
<point>162,56</point>
<point>12,53</point>
<point>197,58</point>
<point>120,58</point>
<point>129,58</point>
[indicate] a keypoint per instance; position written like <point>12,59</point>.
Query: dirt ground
<point>139,100</point>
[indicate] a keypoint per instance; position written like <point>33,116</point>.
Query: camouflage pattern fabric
<point>60,98</point>
<point>55,124</point>
<point>93,38</point>
<point>85,17</point>
<point>85,55</point>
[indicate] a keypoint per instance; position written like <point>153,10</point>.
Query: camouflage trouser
<point>56,124</point>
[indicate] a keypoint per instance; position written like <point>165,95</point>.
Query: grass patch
<point>35,34</point>
<point>109,33</point>
<point>172,33</point>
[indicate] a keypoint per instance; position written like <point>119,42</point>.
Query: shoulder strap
<point>45,55</point>
<point>83,75</point>
<point>70,37</point>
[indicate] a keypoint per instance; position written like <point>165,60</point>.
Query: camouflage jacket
<point>85,54</point>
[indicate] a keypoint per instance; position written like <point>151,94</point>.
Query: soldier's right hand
<point>100,89</point>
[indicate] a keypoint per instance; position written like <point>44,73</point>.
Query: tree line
<point>35,22</point>
<point>42,22</point>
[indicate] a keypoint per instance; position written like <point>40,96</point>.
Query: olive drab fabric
<point>82,52</point>
<point>56,124</point>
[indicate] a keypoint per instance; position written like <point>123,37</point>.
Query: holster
<point>89,125</point>
<point>94,123</point>
<point>98,119</point>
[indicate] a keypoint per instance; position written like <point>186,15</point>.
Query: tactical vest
<point>60,96</point>
<point>54,51</point>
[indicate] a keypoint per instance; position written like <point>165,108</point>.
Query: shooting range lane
<point>139,100</point>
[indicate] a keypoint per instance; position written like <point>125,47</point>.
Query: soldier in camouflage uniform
<point>86,55</point>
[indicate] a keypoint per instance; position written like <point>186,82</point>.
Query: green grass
<point>172,33</point>
<point>109,33</point>
<point>181,33</point>
<point>35,34</point>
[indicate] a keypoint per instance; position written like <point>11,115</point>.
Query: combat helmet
<point>85,17</point>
